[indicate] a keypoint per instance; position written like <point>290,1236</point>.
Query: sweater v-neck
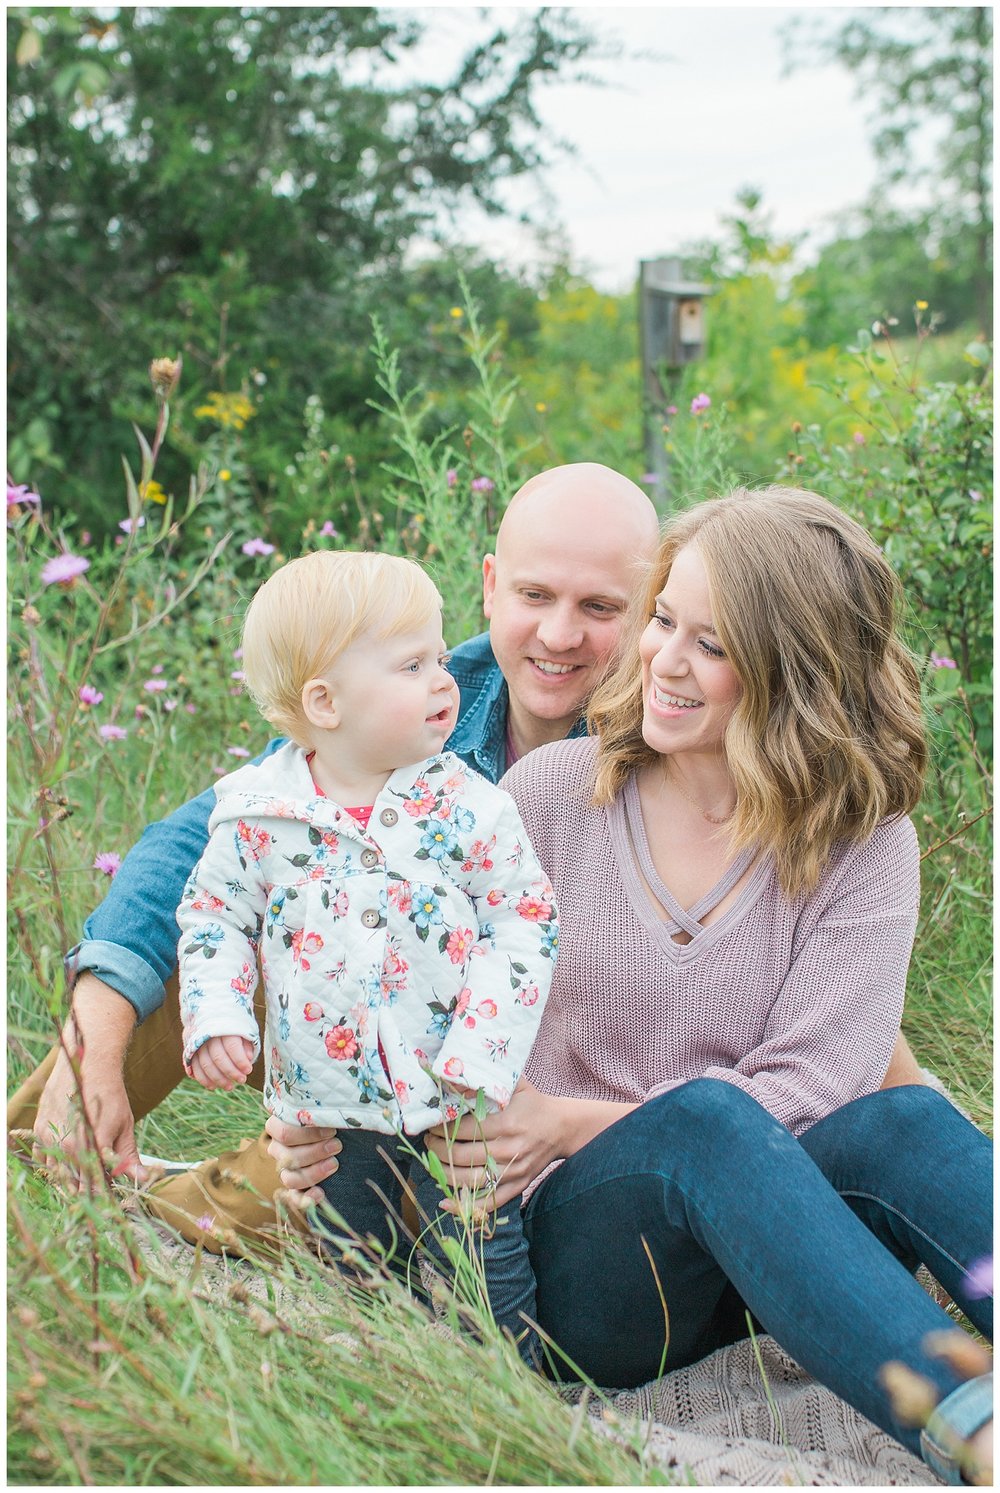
<point>635,863</point>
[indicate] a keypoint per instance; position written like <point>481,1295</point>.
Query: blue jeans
<point>364,1173</point>
<point>817,1236</point>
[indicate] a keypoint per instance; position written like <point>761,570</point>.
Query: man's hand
<point>222,1062</point>
<point>95,1039</point>
<point>306,1155</point>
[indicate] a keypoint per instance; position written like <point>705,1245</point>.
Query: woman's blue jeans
<point>817,1236</point>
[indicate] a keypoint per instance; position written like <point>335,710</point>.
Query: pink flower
<point>108,862</point>
<point>257,547</point>
<point>940,661</point>
<point>451,476</point>
<point>237,652</point>
<point>89,695</point>
<point>170,704</point>
<point>18,498</point>
<point>63,570</point>
<point>979,1278</point>
<point>237,751</point>
<point>86,537</point>
<point>328,531</point>
<point>237,674</point>
<point>304,1117</point>
<point>312,1012</point>
<point>482,484</point>
<point>487,1010</point>
<point>671,409</point>
<point>859,438</point>
<point>975,496</point>
<point>454,1068</point>
<point>156,669</point>
<point>140,711</point>
<point>341,1043</point>
<point>130,525</point>
<point>458,945</point>
<point>650,478</point>
<point>534,909</point>
<point>700,403</point>
<point>191,709</point>
<point>112,733</point>
<point>156,686</point>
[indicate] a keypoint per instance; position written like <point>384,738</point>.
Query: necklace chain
<point>712,818</point>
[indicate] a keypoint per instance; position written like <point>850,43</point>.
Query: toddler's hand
<point>222,1062</point>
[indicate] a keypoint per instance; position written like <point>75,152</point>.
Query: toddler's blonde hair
<point>308,612</point>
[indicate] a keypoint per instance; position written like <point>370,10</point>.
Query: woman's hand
<point>306,1155</point>
<point>518,1143</point>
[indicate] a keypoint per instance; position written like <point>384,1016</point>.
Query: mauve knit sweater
<point>796,1002</point>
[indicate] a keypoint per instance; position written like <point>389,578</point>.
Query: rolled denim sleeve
<point>130,940</point>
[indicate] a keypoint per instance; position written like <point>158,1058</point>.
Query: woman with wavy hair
<point>700,1129</point>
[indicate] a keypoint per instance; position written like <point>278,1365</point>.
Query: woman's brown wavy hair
<point>827,738</point>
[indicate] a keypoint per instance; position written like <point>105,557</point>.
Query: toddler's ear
<point>319,704</point>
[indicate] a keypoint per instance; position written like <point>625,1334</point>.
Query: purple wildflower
<point>63,570</point>
<point>859,438</point>
<point>18,498</point>
<point>156,669</point>
<point>941,661</point>
<point>237,674</point>
<point>170,704</point>
<point>482,484</point>
<point>650,478</point>
<point>129,525</point>
<point>451,476</point>
<point>328,531</point>
<point>237,751</point>
<point>108,862</point>
<point>257,547</point>
<point>112,733</point>
<point>89,695</point>
<point>700,403</point>
<point>155,686</point>
<point>671,409</point>
<point>191,709</point>
<point>86,537</point>
<point>975,496</point>
<point>237,652</point>
<point>979,1278</point>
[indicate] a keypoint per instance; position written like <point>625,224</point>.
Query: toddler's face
<point>398,703</point>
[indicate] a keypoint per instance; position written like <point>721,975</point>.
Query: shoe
<point>944,1440</point>
<point>226,1204</point>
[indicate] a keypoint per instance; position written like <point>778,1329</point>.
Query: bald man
<point>568,553</point>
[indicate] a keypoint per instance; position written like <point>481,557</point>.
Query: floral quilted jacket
<point>396,960</point>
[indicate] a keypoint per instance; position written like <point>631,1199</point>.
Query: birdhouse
<point>672,321</point>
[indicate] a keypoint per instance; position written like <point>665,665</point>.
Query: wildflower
<point>859,438</point>
<point>31,616</point>
<point>152,491</point>
<point>18,498</point>
<point>63,570</point>
<point>451,476</point>
<point>979,1278</point>
<point>89,695</point>
<point>650,478</point>
<point>975,496</point>
<point>541,407</point>
<point>237,751</point>
<point>156,669</point>
<point>112,733</point>
<point>226,410</point>
<point>482,484</point>
<point>164,375</point>
<point>921,305</point>
<point>941,661</point>
<point>108,862</point>
<point>877,329</point>
<point>456,313</point>
<point>328,531</point>
<point>155,686</point>
<point>700,403</point>
<point>257,547</point>
<point>140,711</point>
<point>237,674</point>
<point>129,525</point>
<point>191,709</point>
<point>86,537</point>
<point>671,409</point>
<point>225,475</point>
<point>170,704</point>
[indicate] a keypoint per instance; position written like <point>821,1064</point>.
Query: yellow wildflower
<point>152,492</point>
<point>457,313</point>
<point>921,305</point>
<point>225,475</point>
<point>226,409</point>
<point>541,408</point>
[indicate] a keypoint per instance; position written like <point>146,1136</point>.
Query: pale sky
<point>666,145</point>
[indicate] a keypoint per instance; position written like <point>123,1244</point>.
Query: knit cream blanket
<point>733,1421</point>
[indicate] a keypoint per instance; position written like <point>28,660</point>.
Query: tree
<point>233,182</point>
<point>919,67</point>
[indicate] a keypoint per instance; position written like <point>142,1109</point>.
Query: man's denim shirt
<point>138,912</point>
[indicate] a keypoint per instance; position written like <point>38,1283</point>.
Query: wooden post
<point>671,334</point>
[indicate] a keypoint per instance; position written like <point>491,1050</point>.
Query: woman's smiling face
<point>689,687</point>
